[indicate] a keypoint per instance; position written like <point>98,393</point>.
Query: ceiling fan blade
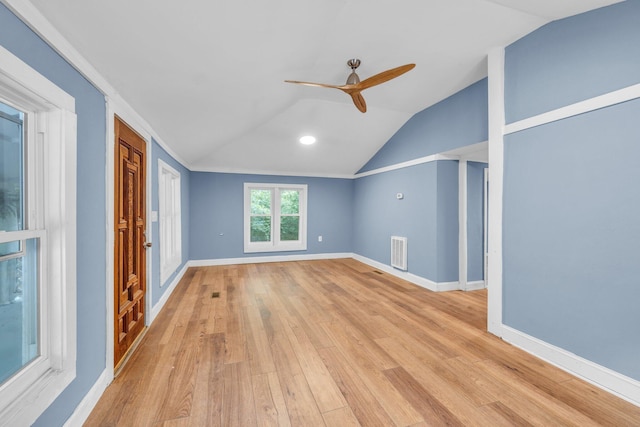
<point>313,84</point>
<point>358,100</point>
<point>384,76</point>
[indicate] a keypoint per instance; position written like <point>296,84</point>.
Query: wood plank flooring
<point>337,343</point>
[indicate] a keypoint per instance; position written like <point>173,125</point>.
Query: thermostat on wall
<point>399,196</point>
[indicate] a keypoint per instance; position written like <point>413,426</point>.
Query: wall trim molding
<point>90,400</point>
<point>155,310</point>
<point>409,163</point>
<point>475,285</point>
<point>265,259</point>
<point>240,171</point>
<point>409,277</point>
<point>608,380</point>
<point>466,152</point>
<point>395,166</point>
<point>607,100</point>
<point>417,280</point>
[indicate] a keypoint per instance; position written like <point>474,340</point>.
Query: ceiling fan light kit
<point>354,86</point>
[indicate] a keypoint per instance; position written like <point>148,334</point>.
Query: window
<point>18,258</point>
<point>275,217</point>
<point>170,220</point>
<point>37,241</point>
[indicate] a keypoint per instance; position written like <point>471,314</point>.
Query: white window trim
<point>275,245</point>
<point>26,395</point>
<point>169,262</point>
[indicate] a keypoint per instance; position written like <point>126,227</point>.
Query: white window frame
<point>170,218</point>
<point>50,218</point>
<point>275,245</point>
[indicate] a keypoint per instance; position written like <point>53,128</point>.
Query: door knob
<point>146,244</point>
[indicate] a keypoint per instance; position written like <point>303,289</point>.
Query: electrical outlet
<point>319,238</point>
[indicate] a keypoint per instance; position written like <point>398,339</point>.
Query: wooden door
<point>130,226</point>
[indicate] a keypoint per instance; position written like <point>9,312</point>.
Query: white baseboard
<point>263,259</point>
<point>420,281</point>
<point>448,286</point>
<point>83,410</point>
<point>167,293</point>
<point>409,277</point>
<point>476,285</point>
<point>613,382</point>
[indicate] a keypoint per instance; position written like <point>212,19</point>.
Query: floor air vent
<point>399,252</point>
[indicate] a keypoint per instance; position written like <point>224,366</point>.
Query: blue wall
<point>378,215</point>
<point>573,59</point>
<point>428,215</point>
<point>475,221</point>
<point>448,222</point>
<point>157,152</point>
<point>217,215</point>
<point>571,204</point>
<point>455,122</point>
<point>91,209</point>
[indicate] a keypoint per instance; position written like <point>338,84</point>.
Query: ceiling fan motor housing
<point>353,77</point>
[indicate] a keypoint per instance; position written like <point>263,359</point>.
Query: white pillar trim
<point>496,171</point>
<point>462,224</point>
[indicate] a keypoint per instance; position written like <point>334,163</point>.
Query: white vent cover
<point>399,252</point>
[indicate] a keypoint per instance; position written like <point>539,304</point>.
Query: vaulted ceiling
<point>208,76</point>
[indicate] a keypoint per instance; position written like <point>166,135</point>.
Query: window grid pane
<point>289,202</point>
<point>290,228</point>
<point>11,175</point>
<point>261,202</point>
<point>19,310</point>
<point>260,228</point>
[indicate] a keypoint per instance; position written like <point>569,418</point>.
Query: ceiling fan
<point>354,86</point>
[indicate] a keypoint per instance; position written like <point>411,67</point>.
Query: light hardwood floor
<point>337,343</point>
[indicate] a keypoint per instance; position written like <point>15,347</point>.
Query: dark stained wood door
<point>130,226</point>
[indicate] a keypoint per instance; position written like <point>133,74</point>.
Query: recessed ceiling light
<point>307,140</point>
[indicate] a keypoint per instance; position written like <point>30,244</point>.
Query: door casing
<point>116,107</point>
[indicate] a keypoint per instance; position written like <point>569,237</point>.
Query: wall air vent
<point>399,252</point>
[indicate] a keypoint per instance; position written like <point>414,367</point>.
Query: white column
<point>496,168</point>
<point>462,224</point>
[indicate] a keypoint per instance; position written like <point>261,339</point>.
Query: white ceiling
<point>208,75</point>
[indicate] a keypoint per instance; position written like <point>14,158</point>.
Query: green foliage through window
<point>289,202</point>
<point>260,228</point>
<point>260,202</point>
<point>289,228</point>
